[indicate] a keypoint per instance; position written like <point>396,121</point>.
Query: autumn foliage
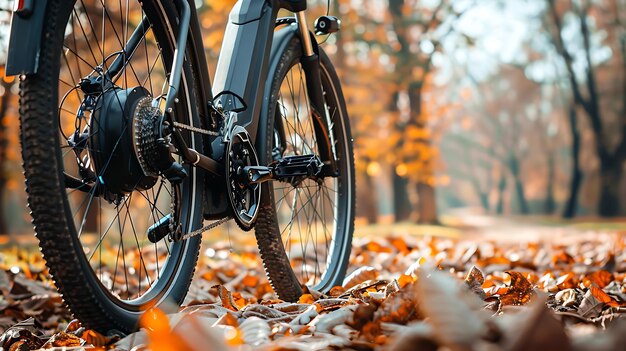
<point>401,292</point>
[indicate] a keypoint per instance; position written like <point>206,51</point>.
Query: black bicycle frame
<point>242,69</point>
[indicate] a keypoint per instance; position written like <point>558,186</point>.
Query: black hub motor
<point>123,141</point>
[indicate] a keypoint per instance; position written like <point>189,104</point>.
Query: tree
<point>606,118</point>
<point>409,33</point>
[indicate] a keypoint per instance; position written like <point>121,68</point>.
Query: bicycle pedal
<point>297,166</point>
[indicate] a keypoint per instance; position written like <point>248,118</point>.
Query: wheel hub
<point>123,133</point>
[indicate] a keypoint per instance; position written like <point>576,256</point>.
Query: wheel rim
<point>112,232</point>
<point>312,216</point>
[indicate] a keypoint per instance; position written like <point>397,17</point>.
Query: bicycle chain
<point>218,222</point>
<point>195,129</point>
<point>205,228</point>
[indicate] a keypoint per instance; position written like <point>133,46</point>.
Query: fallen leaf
<point>538,330</point>
<point>474,280</point>
<point>226,297</point>
<point>359,276</point>
<point>519,292</point>
<point>63,339</point>
<point>599,278</point>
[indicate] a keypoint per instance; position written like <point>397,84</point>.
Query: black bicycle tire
<point>271,247</point>
<point>71,273</point>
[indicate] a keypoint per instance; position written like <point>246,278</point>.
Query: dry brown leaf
<point>562,257</point>
<point>567,298</point>
<point>96,339</point>
<point>306,298</point>
<point>537,330</point>
<point>250,281</point>
<point>567,281</point>
<point>603,297</point>
<point>373,246</point>
<point>454,322</point>
<point>590,305</point>
<point>226,297</point>
<point>359,276</point>
<point>227,319</point>
<point>599,278</point>
<point>63,339</point>
<point>400,245</point>
<point>474,280</point>
<point>404,280</point>
<point>326,322</point>
<point>519,292</point>
<point>335,291</point>
<point>255,331</point>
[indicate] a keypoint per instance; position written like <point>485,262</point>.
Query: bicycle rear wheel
<point>304,229</point>
<point>85,137</point>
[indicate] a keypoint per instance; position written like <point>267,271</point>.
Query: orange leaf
<point>400,245</point>
<point>226,297</point>
<point>63,339</point>
<point>250,281</point>
<point>336,291</point>
<point>562,258</point>
<point>227,319</point>
<point>404,279</point>
<point>155,320</point>
<point>376,247</point>
<point>599,278</point>
<point>306,298</point>
<point>566,281</point>
<point>603,297</point>
<point>520,290</point>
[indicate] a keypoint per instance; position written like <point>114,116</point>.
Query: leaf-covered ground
<point>565,292</point>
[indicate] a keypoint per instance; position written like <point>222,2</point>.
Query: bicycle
<point>128,148</point>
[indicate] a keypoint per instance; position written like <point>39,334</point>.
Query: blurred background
<point>460,109</point>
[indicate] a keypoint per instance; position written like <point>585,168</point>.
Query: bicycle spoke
<point>312,221</point>
<point>112,225</point>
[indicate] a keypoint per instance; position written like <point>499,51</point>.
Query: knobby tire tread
<point>270,244</point>
<point>43,177</point>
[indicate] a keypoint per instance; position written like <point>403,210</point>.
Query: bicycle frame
<point>242,70</point>
<point>240,80</point>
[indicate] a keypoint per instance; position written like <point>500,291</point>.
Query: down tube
<point>243,63</point>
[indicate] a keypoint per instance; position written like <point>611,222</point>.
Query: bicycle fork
<point>321,117</point>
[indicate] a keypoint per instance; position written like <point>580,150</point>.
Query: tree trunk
<point>401,203</point>
<point>427,202</point>
<point>484,201</point>
<point>577,174</point>
<point>610,177</point>
<point>550,205</point>
<point>501,190</point>
<point>367,204</point>
<point>519,185</point>
<point>402,206</point>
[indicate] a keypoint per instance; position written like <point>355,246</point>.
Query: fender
<point>25,40</point>
<point>282,38</point>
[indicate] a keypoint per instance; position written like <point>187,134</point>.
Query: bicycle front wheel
<point>87,124</point>
<point>304,229</point>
